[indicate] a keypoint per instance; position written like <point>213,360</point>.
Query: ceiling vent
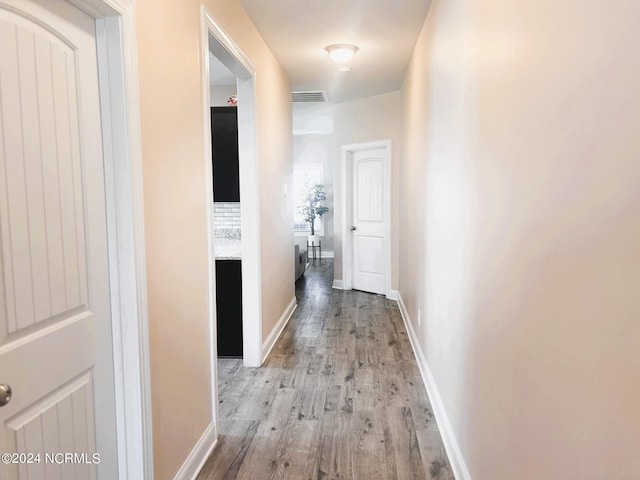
<point>316,96</point>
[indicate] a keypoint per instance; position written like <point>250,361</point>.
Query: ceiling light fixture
<point>341,52</point>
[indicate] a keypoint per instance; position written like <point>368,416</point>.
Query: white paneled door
<point>369,220</point>
<point>55,337</point>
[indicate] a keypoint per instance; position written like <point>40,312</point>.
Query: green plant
<point>312,206</point>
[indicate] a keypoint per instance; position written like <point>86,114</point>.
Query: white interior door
<point>55,328</point>
<point>370,219</point>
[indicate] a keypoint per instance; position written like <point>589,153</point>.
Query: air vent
<point>316,96</point>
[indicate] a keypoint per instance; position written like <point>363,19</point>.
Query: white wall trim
<point>393,295</point>
<point>122,150</point>
<point>338,284</point>
<point>277,330</point>
<point>209,207</point>
<point>346,209</point>
<point>232,49</point>
<point>451,446</point>
<point>199,455</point>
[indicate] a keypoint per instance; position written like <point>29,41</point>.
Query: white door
<point>55,330</point>
<point>370,219</point>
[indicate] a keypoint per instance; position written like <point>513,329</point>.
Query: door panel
<point>55,341</point>
<point>369,219</point>
<point>369,174</point>
<point>62,421</point>
<point>42,212</point>
<point>370,254</point>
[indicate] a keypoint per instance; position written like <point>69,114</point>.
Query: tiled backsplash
<point>226,219</point>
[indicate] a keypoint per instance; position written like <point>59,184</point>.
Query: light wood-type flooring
<point>340,397</point>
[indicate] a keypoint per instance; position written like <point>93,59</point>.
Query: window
<point>304,175</point>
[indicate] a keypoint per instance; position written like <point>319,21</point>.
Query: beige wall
<point>175,217</point>
<point>366,120</point>
<point>273,103</point>
<point>520,231</point>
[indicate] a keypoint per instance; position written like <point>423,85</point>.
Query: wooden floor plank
<point>339,398</point>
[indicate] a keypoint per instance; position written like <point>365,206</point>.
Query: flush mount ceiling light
<point>341,52</point>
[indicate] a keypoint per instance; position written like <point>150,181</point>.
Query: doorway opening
<point>232,202</point>
<point>227,218</point>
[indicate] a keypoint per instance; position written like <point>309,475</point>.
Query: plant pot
<point>313,240</point>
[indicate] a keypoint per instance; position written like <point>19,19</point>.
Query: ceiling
<point>298,31</point>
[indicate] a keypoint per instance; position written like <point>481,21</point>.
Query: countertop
<point>227,248</point>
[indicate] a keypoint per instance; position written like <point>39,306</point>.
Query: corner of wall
<point>451,446</point>
<point>199,455</point>
<point>274,335</point>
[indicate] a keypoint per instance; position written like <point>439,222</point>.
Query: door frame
<point>227,51</point>
<point>122,156</point>
<point>347,210</point>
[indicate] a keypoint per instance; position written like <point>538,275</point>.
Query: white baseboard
<point>200,453</point>
<point>338,285</point>
<point>393,295</point>
<point>456,459</point>
<point>277,330</point>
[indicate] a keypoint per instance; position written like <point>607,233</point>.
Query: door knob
<point>353,228</point>
<point>5,394</point>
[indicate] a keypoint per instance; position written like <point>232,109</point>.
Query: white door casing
<point>55,332</point>
<point>366,217</point>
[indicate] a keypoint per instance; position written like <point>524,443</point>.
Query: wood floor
<point>340,397</point>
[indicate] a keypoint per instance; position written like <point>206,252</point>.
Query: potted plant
<point>313,207</point>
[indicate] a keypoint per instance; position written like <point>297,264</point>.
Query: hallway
<point>340,397</point>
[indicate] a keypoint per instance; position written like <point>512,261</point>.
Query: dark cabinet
<point>229,307</point>
<point>224,147</point>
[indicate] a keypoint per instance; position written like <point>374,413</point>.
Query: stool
<point>312,247</point>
